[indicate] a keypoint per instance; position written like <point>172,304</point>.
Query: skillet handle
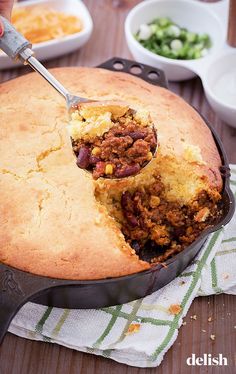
<point>17,288</point>
<point>148,73</point>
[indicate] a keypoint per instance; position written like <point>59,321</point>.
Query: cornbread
<point>55,220</point>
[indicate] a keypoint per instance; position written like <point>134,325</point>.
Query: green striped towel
<point>106,331</point>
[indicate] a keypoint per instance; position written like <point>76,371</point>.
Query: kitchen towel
<point>139,333</point>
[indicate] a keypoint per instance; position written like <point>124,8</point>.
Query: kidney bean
<point>127,203</point>
<point>125,199</point>
<point>131,219</point>
<point>93,160</point>
<point>135,135</point>
<point>83,157</point>
<point>127,171</point>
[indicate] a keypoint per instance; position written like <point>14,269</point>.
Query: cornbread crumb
<point>94,109</point>
<point>225,275</point>
<point>202,215</point>
<point>212,337</point>
<point>133,328</point>
<point>175,309</point>
<point>93,126</point>
<point>184,323</point>
<point>203,330</point>
<point>193,317</point>
<point>76,116</point>
<point>142,116</point>
<point>209,319</point>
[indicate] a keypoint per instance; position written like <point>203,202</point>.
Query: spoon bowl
<point>111,140</point>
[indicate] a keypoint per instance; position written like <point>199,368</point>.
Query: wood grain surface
<point>20,356</point>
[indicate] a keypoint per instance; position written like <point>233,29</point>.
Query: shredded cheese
<point>39,24</point>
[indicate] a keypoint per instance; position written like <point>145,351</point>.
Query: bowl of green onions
<point>175,35</point>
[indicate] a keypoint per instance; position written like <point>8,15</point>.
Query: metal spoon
<point>18,48</point>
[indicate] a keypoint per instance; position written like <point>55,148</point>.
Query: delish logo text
<point>207,360</point>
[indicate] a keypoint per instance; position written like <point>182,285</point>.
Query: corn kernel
<point>109,169</point>
<point>96,151</point>
<point>149,156</point>
<point>154,201</point>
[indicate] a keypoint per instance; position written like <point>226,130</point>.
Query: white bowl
<point>195,16</point>
<point>222,65</point>
<point>57,47</point>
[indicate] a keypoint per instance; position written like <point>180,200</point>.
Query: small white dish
<point>194,15</point>
<point>222,98</point>
<point>210,18</point>
<point>57,47</point>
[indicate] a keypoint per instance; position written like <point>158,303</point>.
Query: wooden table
<point>19,356</point>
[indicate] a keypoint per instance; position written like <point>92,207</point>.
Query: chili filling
<point>120,152</point>
<point>157,229</point>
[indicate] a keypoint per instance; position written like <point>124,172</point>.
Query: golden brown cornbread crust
<point>50,221</point>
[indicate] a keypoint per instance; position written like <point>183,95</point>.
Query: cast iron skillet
<point>18,287</point>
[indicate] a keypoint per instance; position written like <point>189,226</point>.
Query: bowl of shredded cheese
<point>54,27</point>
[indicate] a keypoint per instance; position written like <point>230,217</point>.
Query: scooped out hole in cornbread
<point>157,228</point>
<point>156,224</point>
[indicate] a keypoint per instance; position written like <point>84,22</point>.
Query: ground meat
<point>138,151</point>
<point>115,146</point>
<point>176,218</point>
<point>157,229</point>
<point>122,151</point>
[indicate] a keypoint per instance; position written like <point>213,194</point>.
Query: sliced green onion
<point>163,37</point>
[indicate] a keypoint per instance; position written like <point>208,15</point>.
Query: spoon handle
<point>39,68</point>
<point>12,42</point>
<point>18,48</point>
